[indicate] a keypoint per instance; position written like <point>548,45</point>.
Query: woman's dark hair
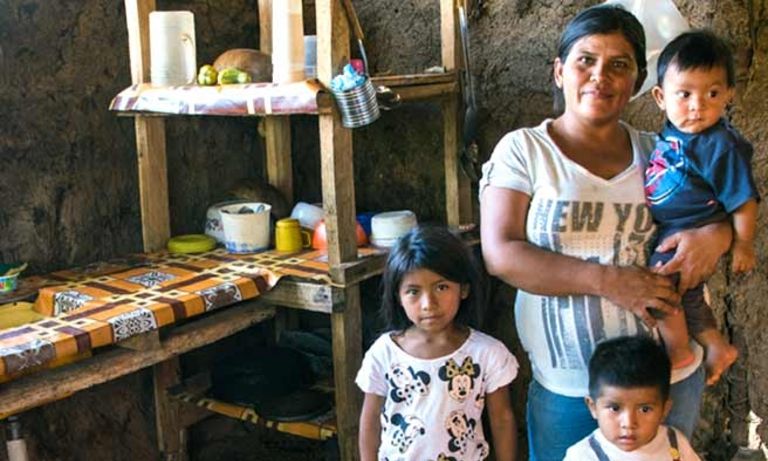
<point>604,19</point>
<point>436,249</point>
<point>698,49</point>
<point>629,362</point>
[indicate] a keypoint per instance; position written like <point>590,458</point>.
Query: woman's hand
<point>697,252</point>
<point>637,289</point>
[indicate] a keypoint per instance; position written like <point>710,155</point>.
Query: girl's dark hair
<point>604,19</point>
<point>629,362</point>
<point>698,49</point>
<point>436,249</point>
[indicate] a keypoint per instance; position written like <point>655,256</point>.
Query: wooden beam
<point>278,145</point>
<point>346,328</point>
<point>394,81</point>
<point>51,385</point>
<point>337,171</point>
<point>422,92</point>
<point>357,271</point>
<point>336,157</point>
<point>137,18</point>
<point>150,135</point>
<point>265,26</point>
<point>153,182</point>
<point>302,295</point>
<point>143,342</point>
<point>458,190</point>
<point>450,47</point>
<point>171,435</point>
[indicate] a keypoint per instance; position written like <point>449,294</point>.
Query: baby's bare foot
<point>719,358</point>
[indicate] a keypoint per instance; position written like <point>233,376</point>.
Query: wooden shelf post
<point>333,52</point>
<point>155,220</point>
<point>150,135</point>
<point>458,190</point>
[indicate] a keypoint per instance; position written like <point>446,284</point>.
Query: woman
<point>564,220</point>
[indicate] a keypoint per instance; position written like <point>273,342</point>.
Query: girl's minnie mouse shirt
<point>432,407</point>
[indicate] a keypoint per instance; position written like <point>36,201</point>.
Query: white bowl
<point>387,227</point>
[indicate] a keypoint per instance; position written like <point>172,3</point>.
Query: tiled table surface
<point>105,303</point>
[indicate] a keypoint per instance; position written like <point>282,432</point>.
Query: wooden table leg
<point>171,436</point>
<point>346,326</point>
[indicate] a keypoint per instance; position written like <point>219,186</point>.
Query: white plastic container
<point>213,224</point>
<point>172,49</point>
<point>387,227</point>
<point>307,214</point>
<point>287,41</point>
<point>246,232</point>
<point>310,56</point>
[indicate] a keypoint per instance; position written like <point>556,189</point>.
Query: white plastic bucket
<point>172,47</point>
<point>246,232</point>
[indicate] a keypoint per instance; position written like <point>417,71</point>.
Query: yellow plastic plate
<point>191,243</point>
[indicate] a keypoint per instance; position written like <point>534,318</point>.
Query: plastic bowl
<point>388,227</point>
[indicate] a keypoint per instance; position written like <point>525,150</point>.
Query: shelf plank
<point>308,296</point>
<point>427,92</point>
<point>396,81</point>
<point>261,99</point>
<point>246,99</point>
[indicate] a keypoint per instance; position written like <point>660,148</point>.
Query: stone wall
<point>68,167</point>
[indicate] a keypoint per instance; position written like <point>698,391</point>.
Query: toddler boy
<point>700,172</point>
<point>629,397</point>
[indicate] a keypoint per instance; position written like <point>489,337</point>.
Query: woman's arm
<point>370,427</point>
<point>510,257</point>
<point>697,252</point>
<point>503,425</point>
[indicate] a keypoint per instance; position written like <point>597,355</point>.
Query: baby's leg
<point>718,353</point>
<point>673,328</point>
<point>675,334</point>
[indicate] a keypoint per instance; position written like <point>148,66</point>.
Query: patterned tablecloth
<point>105,303</point>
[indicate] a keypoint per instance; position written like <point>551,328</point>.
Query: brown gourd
<point>257,64</point>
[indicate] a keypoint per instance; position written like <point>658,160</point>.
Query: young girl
<point>428,379</point>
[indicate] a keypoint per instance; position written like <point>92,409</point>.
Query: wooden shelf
<point>341,297</point>
<point>40,388</point>
<point>263,99</point>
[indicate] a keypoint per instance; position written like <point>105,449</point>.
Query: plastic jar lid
<point>191,243</point>
<point>287,223</point>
